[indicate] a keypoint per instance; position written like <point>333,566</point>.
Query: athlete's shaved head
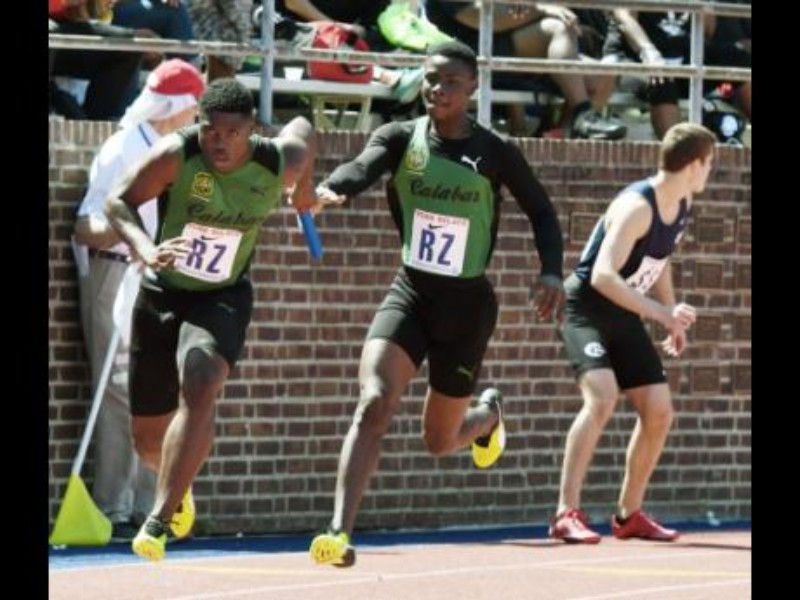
<point>227,95</point>
<point>457,50</point>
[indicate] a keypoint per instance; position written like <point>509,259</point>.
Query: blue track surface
<point>120,553</point>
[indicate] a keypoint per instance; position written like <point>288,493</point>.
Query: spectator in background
<point>167,18</point>
<point>593,24</point>
<point>731,42</point>
<point>539,31</point>
<point>113,76</point>
<point>123,487</point>
<point>361,14</point>
<point>362,17</point>
<point>627,41</point>
<point>222,21</point>
<point>670,34</point>
<point>736,29</point>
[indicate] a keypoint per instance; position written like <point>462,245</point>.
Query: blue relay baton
<point>310,233</point>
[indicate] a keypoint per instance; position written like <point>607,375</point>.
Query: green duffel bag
<point>404,29</point>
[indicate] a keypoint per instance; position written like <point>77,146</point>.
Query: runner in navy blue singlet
<point>626,257</point>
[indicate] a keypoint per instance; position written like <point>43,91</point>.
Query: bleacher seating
<point>337,105</point>
<point>330,99</point>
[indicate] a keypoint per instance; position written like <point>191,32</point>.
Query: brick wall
<point>288,404</point>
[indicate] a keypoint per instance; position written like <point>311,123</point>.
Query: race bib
<point>647,274</point>
<point>211,254</point>
<point>438,243</point>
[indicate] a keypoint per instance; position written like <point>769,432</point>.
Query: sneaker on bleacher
<point>408,85</point>
<point>591,125</point>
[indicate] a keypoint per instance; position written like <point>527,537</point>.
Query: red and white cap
<point>172,87</point>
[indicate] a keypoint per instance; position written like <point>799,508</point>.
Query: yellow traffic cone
<point>79,521</point>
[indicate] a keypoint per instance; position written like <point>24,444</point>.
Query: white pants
<point>123,489</point>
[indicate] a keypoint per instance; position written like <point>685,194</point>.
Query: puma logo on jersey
<point>465,372</point>
<point>472,163</point>
<point>227,308</point>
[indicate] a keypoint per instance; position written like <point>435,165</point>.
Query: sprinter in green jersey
<point>216,183</point>
<point>444,195</point>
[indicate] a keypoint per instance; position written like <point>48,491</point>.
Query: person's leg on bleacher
<point>222,21</point>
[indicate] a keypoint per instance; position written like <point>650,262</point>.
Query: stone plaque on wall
<point>580,226</point>
<point>705,379</point>
<point>709,230</point>
<point>708,275</point>
<point>708,328</point>
<point>743,280</point>
<point>744,230</point>
<point>742,327</point>
<point>741,378</point>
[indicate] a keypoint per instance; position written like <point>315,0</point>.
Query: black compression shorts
<point>599,334</point>
<point>449,320</point>
<point>167,324</point>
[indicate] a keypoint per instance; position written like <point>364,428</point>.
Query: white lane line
<point>658,590</point>
<point>376,577</point>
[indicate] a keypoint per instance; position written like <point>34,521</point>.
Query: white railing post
<point>484,66</point>
<point>268,61</point>
<point>695,71</point>
<point>696,57</point>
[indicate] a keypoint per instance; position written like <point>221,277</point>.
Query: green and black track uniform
<point>445,196</point>
<point>206,300</point>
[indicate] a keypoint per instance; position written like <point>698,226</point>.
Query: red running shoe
<point>572,526</point>
<point>640,525</point>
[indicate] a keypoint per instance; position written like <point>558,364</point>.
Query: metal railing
<point>696,72</point>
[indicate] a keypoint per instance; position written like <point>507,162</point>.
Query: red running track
<point>700,566</point>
